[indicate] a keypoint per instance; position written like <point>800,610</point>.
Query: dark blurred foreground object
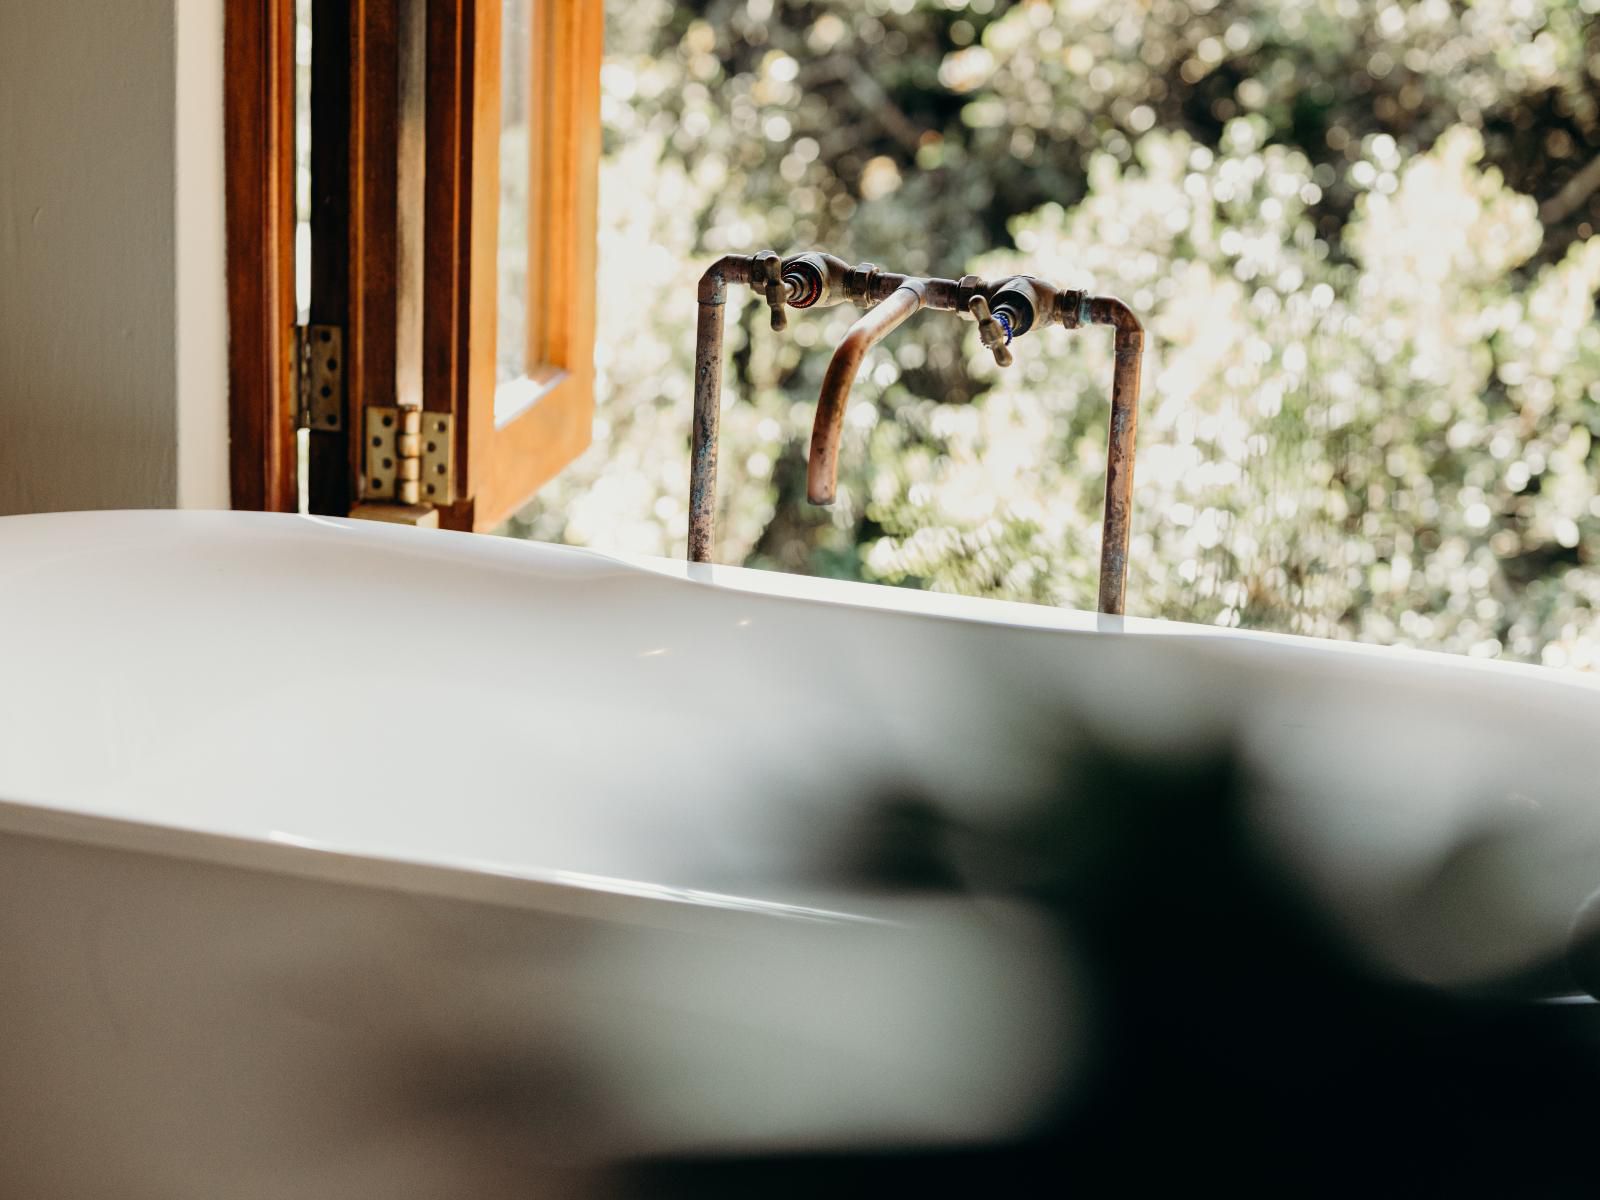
<point>1238,1041</point>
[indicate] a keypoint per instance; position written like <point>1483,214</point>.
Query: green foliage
<point>1361,234</point>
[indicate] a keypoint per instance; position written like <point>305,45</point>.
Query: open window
<point>445,371</point>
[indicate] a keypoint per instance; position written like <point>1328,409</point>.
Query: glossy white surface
<point>300,791</point>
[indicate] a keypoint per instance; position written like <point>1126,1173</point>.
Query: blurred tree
<point>1362,234</point>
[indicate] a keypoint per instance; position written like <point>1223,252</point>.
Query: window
<point>453,155</point>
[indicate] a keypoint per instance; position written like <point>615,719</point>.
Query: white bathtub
<point>350,860</point>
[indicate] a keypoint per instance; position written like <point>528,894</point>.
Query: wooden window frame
<point>258,61</point>
<point>499,467</point>
<point>404,241</point>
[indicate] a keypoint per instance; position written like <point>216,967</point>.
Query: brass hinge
<point>410,456</point>
<point>319,376</point>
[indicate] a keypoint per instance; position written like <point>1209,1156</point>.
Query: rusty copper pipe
<point>1115,526</point>
<point>822,476</point>
<point>900,296</point>
<point>713,295</point>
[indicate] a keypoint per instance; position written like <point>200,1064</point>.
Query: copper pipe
<point>1115,526</point>
<point>822,477</point>
<point>713,296</point>
<point>833,281</point>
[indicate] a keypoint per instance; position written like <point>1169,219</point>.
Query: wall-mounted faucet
<point>1004,311</point>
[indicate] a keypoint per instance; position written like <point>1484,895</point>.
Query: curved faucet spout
<point>875,324</point>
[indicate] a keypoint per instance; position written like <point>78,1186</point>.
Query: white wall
<point>113,305</point>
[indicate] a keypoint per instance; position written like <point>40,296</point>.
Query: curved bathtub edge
<point>565,893</point>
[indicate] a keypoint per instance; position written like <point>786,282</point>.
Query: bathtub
<point>346,859</point>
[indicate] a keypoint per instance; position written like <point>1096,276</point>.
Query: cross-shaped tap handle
<point>994,333</point>
<point>777,292</point>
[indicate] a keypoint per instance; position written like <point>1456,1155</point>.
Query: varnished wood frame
<point>356,230</point>
<point>500,467</point>
<point>258,59</point>
<point>359,193</point>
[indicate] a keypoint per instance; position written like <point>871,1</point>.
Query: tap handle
<point>776,290</point>
<point>993,330</point>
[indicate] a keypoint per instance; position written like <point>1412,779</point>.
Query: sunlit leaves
<point>1373,384</point>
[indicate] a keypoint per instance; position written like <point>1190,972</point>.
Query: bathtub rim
<point>548,892</point>
<point>499,883</point>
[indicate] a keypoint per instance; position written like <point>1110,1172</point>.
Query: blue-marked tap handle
<point>995,333</point>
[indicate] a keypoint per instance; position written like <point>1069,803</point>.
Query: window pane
<point>516,92</point>
<point>516,148</point>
